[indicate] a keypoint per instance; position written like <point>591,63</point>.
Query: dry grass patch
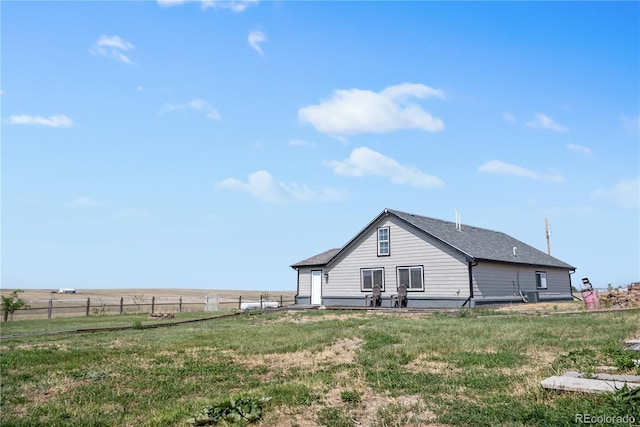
<point>296,317</point>
<point>340,352</point>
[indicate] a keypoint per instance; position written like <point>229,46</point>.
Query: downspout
<point>571,288</point>
<point>297,285</point>
<point>471,263</point>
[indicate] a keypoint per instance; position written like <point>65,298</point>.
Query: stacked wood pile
<point>623,298</point>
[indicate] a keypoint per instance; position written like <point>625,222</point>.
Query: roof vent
<point>514,251</point>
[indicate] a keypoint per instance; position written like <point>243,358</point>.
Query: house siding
<point>444,269</point>
<point>497,281</point>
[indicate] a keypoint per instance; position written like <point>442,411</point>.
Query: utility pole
<point>546,229</point>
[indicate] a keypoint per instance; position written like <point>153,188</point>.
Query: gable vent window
<point>383,241</point>
<point>541,280</point>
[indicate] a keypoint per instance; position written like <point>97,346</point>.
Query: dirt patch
<point>341,352</point>
<point>544,306</point>
<point>374,408</point>
<point>296,317</point>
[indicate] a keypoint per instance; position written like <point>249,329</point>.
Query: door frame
<point>316,288</point>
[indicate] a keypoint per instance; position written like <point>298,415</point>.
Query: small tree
<point>12,303</point>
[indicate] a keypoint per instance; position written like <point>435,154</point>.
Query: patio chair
<point>375,298</point>
<point>400,300</point>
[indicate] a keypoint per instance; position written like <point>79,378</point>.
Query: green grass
<point>324,368</point>
<point>93,321</point>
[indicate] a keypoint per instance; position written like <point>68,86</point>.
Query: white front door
<point>316,287</point>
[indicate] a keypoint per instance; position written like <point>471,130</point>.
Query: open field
<point>40,294</point>
<point>331,368</point>
<point>44,304</point>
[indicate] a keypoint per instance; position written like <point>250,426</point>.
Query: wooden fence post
<point>121,305</point>
<point>281,305</point>
<point>49,309</point>
<point>88,305</point>
<point>180,306</point>
<point>153,304</point>
<point>261,306</point>
<point>240,302</point>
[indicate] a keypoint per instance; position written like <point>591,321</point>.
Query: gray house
<point>442,264</point>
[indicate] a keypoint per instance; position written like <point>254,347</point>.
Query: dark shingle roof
<point>480,243</point>
<point>474,242</point>
<point>320,259</point>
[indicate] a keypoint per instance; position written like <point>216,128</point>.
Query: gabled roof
<point>473,242</point>
<point>320,259</point>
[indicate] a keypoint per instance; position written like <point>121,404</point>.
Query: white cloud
<point>541,121</point>
<point>356,111</point>
<point>631,124</point>
<point>112,47</point>
<point>264,187</point>
<point>198,105</point>
<point>625,193</point>
<point>579,148</point>
<point>86,202</point>
<point>255,38</point>
<point>508,117</point>
<point>496,167</point>
<point>300,143</point>
<point>363,162</point>
<point>57,121</point>
<point>235,5</point>
<point>170,3</point>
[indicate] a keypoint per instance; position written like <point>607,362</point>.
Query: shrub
<point>12,303</point>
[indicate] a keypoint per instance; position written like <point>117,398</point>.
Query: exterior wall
<point>445,271</point>
<point>495,281</point>
<point>413,302</point>
<point>304,282</point>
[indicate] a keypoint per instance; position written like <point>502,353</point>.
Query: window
<point>383,241</point>
<point>541,280</point>
<point>411,277</point>
<point>370,277</point>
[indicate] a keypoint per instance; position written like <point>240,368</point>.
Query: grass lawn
<point>318,368</point>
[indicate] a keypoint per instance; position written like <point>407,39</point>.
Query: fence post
<point>121,304</point>
<point>281,305</point>
<point>49,309</point>
<point>240,302</point>
<point>180,306</point>
<point>153,304</point>
<point>261,306</point>
<point>88,305</point>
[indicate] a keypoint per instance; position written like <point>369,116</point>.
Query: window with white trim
<point>383,241</point>
<point>370,277</point>
<point>411,277</point>
<point>541,280</point>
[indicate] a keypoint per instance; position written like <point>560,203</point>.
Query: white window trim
<point>388,240</point>
<point>541,280</point>
<point>362,270</point>
<point>409,267</point>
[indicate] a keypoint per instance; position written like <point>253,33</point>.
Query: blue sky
<point>213,144</point>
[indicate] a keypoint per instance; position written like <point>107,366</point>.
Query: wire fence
<point>76,307</point>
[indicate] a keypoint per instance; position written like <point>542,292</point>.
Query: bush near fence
<point>47,309</point>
